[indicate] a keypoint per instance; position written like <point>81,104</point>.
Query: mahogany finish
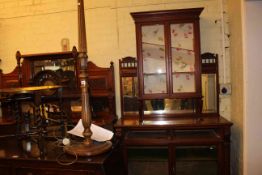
<point>210,66</point>
<point>166,18</point>
<point>87,147</point>
<point>173,131</point>
<point>101,82</point>
<point>25,64</point>
<point>16,158</point>
<point>157,43</point>
<point>9,79</point>
<point>128,70</point>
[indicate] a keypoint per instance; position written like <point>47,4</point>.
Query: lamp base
<point>84,150</point>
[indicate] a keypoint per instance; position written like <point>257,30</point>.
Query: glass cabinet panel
<point>183,82</point>
<point>154,63</point>
<point>148,161</point>
<point>154,84</point>
<point>183,57</point>
<point>168,53</point>
<point>196,160</point>
<point>182,36</point>
<point>183,60</point>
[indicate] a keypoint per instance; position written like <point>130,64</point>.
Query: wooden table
<point>22,157</point>
<point>30,89</point>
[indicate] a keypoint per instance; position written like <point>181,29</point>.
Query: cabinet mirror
<point>210,84</point>
<point>64,70</point>
<point>168,106</point>
<point>209,91</point>
<point>48,68</point>
<point>129,86</point>
<point>130,95</point>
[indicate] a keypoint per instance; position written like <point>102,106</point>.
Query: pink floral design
<point>187,77</point>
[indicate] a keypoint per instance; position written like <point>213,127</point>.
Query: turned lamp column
<point>86,113</point>
<point>87,147</point>
<point>83,76</point>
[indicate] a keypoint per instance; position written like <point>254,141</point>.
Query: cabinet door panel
<point>183,82</point>
<point>168,50</point>
<point>183,57</point>
<point>154,84</point>
<point>154,60</point>
<point>183,60</point>
<point>5,170</point>
<point>182,36</point>
<point>153,34</point>
<point>196,160</point>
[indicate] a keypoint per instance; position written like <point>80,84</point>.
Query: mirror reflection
<point>54,65</point>
<point>130,94</point>
<point>169,106</point>
<point>209,92</point>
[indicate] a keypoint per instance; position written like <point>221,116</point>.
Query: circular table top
<point>27,89</point>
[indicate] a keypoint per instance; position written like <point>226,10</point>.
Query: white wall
<point>37,26</point>
<point>253,89</point>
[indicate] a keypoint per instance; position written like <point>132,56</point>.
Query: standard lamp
<point>87,147</point>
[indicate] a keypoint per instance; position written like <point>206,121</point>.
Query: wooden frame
<point>210,66</point>
<point>185,130</point>
<point>128,69</point>
<point>166,19</point>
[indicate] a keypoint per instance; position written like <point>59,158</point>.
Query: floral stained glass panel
<point>153,34</point>
<point>153,59</point>
<point>183,57</point>
<point>155,84</point>
<point>154,63</point>
<point>182,36</point>
<point>183,82</point>
<point>183,60</point>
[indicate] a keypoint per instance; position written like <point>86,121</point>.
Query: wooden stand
<point>87,148</point>
<point>90,149</point>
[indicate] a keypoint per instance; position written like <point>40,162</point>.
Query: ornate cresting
<point>87,148</point>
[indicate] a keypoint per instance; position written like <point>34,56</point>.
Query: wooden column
<point>87,148</point>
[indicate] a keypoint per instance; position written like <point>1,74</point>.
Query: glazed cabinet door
<point>154,61</point>
<point>169,69</point>
<point>168,49</point>
<point>183,58</point>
